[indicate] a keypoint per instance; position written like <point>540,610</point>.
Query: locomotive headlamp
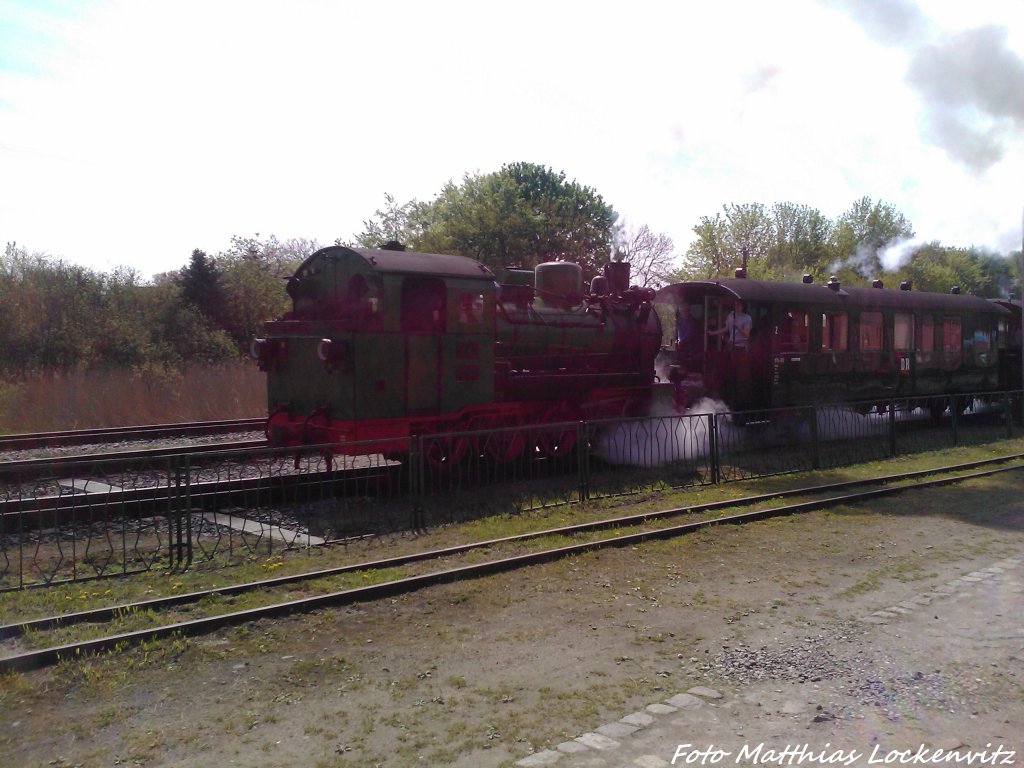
<point>332,353</point>
<point>323,350</point>
<point>256,348</point>
<point>267,352</point>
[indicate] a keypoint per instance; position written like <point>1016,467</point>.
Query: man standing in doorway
<point>738,325</point>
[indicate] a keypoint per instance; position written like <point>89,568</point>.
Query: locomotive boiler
<point>382,345</point>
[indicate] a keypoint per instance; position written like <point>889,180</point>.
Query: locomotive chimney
<point>617,273</point>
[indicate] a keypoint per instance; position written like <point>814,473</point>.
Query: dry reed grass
<point>119,397</point>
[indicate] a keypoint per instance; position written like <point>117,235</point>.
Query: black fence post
<point>812,429</point>
<point>954,413</point>
<point>713,447</point>
<point>892,428</point>
<point>1007,415</point>
<point>417,520</point>
<point>583,460</point>
<point>188,510</point>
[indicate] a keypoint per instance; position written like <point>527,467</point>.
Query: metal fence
<point>63,521</point>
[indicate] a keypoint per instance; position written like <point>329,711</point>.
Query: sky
<point>133,131</point>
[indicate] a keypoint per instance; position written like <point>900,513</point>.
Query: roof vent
<point>741,273</point>
<point>808,279</point>
<point>905,285</point>
<point>955,290</point>
<point>877,284</point>
<point>833,283</point>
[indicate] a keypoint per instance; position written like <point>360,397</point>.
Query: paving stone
<point>617,730</point>
<point>897,609</point>
<point>923,600</point>
<point>547,757</point>
<point>660,709</point>
<point>639,719</point>
<point>886,614</point>
<point>571,747</point>
<point>707,693</point>
<point>650,761</point>
<point>685,701</point>
<point>597,741</point>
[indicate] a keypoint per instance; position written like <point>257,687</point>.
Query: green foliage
<point>935,268</point>
<point>863,231</point>
<point>404,224</point>
<point>523,214</point>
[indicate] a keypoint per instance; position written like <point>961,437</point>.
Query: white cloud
<point>147,129</point>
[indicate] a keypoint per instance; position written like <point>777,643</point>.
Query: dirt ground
<point>488,672</point>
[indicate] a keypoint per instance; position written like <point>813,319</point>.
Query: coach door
<point>423,322</point>
<point>717,365</point>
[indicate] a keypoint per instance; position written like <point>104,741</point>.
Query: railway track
<point>652,526</point>
<point>114,434</point>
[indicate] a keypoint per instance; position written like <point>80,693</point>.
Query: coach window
<point>791,332</point>
<point>870,336</point>
<point>983,339</point>
<point>902,331</point>
<point>926,334</point>
<point>952,335</point>
<point>834,331</point>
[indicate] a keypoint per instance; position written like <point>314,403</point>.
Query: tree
<point>200,286</point>
<point>937,268</point>
<point>863,230</point>
<point>724,239</point>
<point>708,255</point>
<point>523,214</point>
<point>748,233</point>
<point>650,256</point>
<point>800,242</point>
<point>399,223</point>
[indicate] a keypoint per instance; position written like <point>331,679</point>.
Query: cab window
<point>423,305</point>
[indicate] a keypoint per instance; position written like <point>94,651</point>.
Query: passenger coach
<point>817,343</point>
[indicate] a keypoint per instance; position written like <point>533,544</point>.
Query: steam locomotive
<point>381,345</point>
<point>384,345</point>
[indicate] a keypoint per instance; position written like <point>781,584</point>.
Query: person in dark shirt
<point>688,333</point>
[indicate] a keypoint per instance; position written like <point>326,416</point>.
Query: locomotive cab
<point>374,337</point>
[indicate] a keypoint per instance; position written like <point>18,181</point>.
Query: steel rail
<point>109,613</point>
<point>47,656</point>
<point>25,468</point>
<point>47,511</point>
<point>25,440</point>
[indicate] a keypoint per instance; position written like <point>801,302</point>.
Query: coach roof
<point>821,294</point>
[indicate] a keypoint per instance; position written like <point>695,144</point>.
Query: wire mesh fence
<point>65,521</point>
